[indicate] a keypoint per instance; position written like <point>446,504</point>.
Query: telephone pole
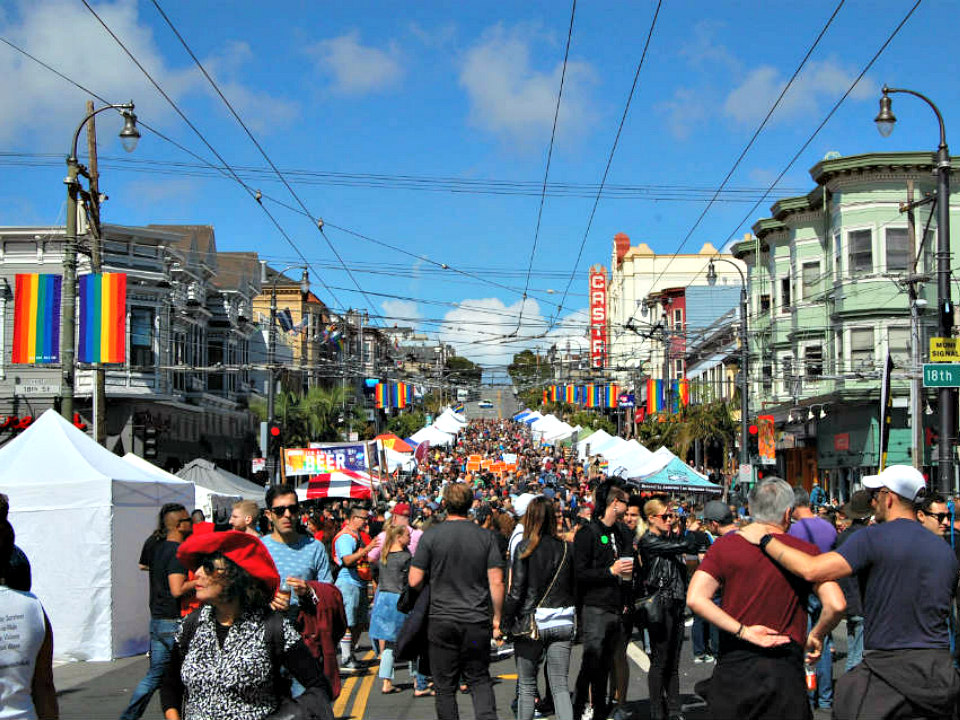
<point>96,262</point>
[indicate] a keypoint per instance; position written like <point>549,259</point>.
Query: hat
<point>904,480</point>
<point>521,503</point>
<point>549,493</point>
<point>859,506</point>
<point>401,509</point>
<point>242,548</point>
<point>718,512</point>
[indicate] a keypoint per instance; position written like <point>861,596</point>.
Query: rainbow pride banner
<point>36,319</point>
<point>103,313</point>
<point>392,395</point>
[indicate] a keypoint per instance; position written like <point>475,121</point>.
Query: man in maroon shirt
<point>763,620</point>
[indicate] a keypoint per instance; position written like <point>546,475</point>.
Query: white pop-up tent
<point>218,489</point>
<point>81,515</point>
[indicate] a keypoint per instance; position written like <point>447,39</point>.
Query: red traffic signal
<point>274,431</point>
<point>753,429</point>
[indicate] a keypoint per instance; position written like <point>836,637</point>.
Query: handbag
<point>526,627</point>
<point>649,608</point>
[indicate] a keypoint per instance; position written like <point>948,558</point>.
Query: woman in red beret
<point>227,659</point>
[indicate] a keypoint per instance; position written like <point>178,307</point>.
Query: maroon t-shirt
<point>757,591</point>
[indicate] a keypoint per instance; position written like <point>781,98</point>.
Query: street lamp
<point>947,396</point>
<point>744,357</point>
<point>272,350</point>
<point>129,136</point>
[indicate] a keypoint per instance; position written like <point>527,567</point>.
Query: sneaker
<point>709,659</point>
<point>587,713</point>
<point>350,666</point>
<point>621,713</point>
<point>699,659</point>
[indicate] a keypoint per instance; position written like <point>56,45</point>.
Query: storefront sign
<point>36,386</point>
<point>841,442</point>
<point>766,439</point>
<point>598,316</point>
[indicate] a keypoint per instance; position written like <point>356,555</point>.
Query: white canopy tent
<point>433,435</point>
<point>592,441</point>
<point>217,489</point>
<point>559,433</point>
<point>403,461</point>
<point>81,514</point>
<point>448,424</point>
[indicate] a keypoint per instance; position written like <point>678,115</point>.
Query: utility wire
<point>546,171</point>
<point>606,171</point>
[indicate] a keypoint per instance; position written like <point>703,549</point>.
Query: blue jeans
<point>554,647</point>
<point>702,634</point>
<point>421,682</point>
<point>162,634</point>
<point>854,641</point>
<point>823,696</point>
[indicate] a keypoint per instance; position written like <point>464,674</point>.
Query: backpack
<point>363,568</point>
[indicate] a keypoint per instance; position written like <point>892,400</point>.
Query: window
<point>898,250</point>
<point>141,337</point>
<point>678,369</point>
<point>785,295</point>
<point>678,318</point>
<point>898,342</point>
<point>764,303</point>
<point>861,348</point>
<point>787,364</point>
<point>813,361</point>
<point>766,378</point>
<point>860,251</point>
<point>810,274</point>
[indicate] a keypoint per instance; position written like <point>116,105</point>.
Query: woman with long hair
<point>229,655</point>
<point>662,549</point>
<point>542,593</point>
<point>385,619</point>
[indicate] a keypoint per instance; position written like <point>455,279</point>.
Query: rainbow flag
<point>569,393</point>
<point>592,398</point>
<point>36,319</point>
<point>379,393</point>
<point>553,393</point>
<point>611,395</point>
<point>103,318</point>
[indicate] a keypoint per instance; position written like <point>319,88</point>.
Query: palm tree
<point>710,422</point>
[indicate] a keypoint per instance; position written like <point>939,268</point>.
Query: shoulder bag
<point>526,628</point>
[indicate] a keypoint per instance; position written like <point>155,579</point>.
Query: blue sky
<point>450,106</point>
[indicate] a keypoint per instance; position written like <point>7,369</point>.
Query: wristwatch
<point>764,541</point>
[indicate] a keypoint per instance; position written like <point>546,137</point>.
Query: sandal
<point>391,691</point>
<point>429,692</point>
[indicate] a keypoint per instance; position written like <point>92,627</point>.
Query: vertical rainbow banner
<point>569,393</point>
<point>592,400</point>
<point>103,315</point>
<point>36,319</point>
<point>611,396</point>
<point>378,395</point>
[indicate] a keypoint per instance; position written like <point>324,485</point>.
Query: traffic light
<point>274,437</point>
<point>753,442</point>
<point>150,440</point>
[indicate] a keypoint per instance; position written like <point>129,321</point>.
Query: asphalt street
<point>90,691</point>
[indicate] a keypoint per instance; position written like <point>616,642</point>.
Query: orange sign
<point>767,437</point>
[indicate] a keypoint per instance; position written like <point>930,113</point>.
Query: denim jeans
<point>822,697</point>
<point>461,650</point>
<point>162,634</point>
<point>854,641</point>
<point>421,682</point>
<point>554,647</point>
<point>702,636</point>
<point>386,662</point>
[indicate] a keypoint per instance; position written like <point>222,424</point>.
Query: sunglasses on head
<point>281,510</point>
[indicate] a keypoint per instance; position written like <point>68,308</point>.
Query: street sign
<point>944,350</point>
<point>941,375</point>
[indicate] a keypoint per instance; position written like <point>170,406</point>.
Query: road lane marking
<point>346,690</point>
<point>638,656</point>
<point>359,709</point>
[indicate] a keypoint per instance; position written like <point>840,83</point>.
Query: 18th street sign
<point>941,375</point>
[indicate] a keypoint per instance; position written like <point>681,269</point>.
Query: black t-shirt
<point>163,563</point>
<point>455,555</point>
<point>149,545</point>
<point>908,576</point>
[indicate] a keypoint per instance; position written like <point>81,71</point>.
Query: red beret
<point>242,548</point>
<point>401,509</point>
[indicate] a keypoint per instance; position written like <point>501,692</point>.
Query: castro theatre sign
<point>598,316</point>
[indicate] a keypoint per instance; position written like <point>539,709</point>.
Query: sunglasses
<point>209,567</point>
<point>665,516</point>
<point>281,510</point>
<point>939,516</point>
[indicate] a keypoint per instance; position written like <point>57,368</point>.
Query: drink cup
<point>810,673</point>
<point>627,565</point>
<point>284,591</point>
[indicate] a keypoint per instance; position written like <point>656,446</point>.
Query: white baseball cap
<point>905,481</point>
<point>521,503</point>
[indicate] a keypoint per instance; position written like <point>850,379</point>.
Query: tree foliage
<point>461,371</point>
<point>319,415</point>
<point>525,370</point>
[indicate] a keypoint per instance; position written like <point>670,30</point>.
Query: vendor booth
<point>81,515</point>
<point>219,489</point>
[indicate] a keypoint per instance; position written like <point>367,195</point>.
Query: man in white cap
<point>909,578</point>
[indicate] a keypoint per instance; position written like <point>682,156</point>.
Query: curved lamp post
<point>129,136</point>
<point>272,350</point>
<point>744,356</point>
<point>885,121</point>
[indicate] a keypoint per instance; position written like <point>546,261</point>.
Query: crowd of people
<point>446,568</point>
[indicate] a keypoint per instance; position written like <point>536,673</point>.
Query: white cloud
<point>357,69</point>
<point>437,38</point>
<point>45,109</point>
<point>687,109</point>
<point>572,332</point>
<point>819,86</point>
<point>486,330</point>
<point>401,312</point>
<point>162,195</point>
<point>703,51</point>
<point>515,101</point>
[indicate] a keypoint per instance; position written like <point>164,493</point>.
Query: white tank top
<point>21,634</point>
